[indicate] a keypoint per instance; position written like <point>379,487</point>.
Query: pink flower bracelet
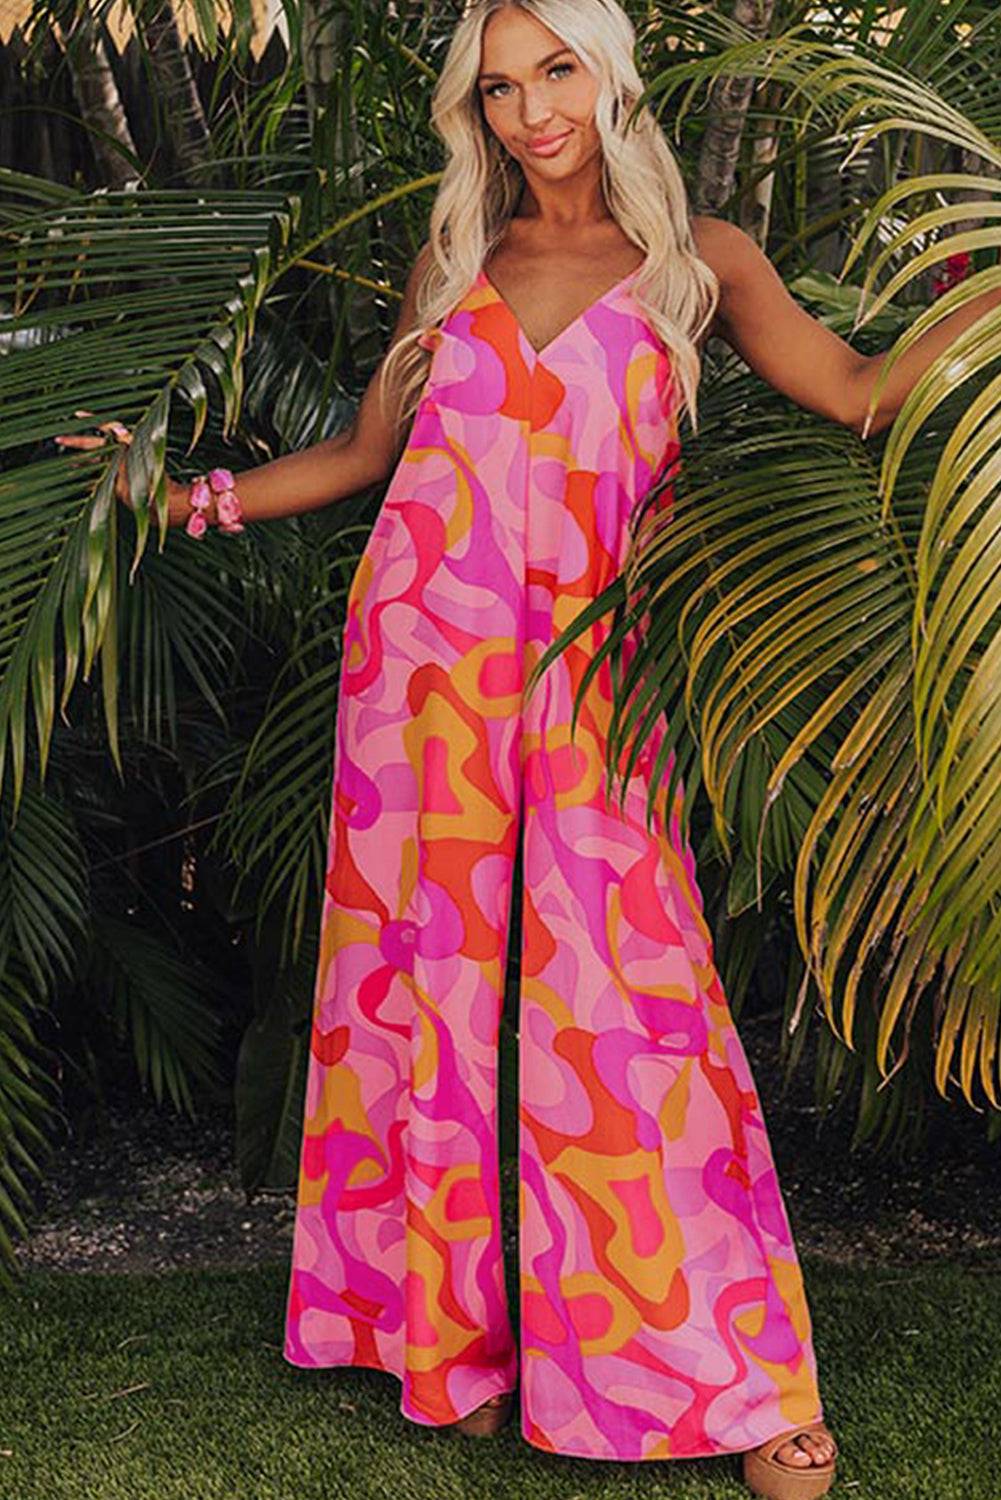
<point>218,482</point>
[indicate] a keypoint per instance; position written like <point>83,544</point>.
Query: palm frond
<point>781,601</point>
<point>160,999</point>
<point>137,329</point>
<point>277,816</point>
<point>29,1103</point>
<point>843,617</point>
<point>271,1075</point>
<point>44,896</point>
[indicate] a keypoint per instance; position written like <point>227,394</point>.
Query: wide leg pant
<point>662,1307</point>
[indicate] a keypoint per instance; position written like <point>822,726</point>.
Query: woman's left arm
<point>800,356</point>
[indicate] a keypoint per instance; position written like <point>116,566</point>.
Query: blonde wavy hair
<point>481,183</point>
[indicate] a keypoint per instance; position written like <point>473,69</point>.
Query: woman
<point>563,296</point>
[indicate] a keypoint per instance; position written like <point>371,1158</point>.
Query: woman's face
<point>538,98</point>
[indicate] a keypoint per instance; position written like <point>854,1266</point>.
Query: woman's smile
<point>548,145</point>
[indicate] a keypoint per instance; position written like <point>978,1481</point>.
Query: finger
<point>79,440</point>
<point>117,429</point>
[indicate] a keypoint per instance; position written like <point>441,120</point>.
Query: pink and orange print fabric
<point>662,1307</point>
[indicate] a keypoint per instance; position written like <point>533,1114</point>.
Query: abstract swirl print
<point>662,1307</point>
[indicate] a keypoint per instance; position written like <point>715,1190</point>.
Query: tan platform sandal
<point>769,1476</point>
<point>487,1419</point>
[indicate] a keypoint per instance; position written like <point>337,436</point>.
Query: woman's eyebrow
<point>540,64</point>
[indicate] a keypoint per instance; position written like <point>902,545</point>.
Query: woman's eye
<point>492,88</point>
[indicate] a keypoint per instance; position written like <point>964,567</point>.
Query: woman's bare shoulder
<point>734,255</point>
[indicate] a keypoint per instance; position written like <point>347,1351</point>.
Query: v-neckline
<point>567,328</point>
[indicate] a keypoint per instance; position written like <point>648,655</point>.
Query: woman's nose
<point>535,110</point>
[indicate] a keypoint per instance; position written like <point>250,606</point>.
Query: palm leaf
<point>806,603</point>
<point>44,895</point>
<point>277,816</point>
<point>139,328</point>
<point>271,1075</point>
<point>29,1101</point>
<point>162,1000</point>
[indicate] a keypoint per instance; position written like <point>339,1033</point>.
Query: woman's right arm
<point>339,466</point>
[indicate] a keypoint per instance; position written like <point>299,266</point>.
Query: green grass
<point>156,1387</point>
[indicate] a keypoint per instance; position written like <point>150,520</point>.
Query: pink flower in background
<point>956,268</point>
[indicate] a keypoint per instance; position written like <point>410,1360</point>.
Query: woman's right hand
<point>178,495</point>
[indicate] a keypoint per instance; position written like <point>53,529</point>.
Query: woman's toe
<point>819,1446</point>
<point>793,1454</point>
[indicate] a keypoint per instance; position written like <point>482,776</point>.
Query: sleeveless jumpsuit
<point>662,1307</point>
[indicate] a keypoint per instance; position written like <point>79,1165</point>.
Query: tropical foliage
<point>824,609</point>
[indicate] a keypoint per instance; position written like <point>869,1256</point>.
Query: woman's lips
<point>548,146</point>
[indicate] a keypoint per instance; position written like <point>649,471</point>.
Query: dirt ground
<point>153,1190</point>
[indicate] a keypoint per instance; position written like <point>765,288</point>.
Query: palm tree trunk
<point>185,117</point>
<point>326,42</point>
<point>326,49</point>
<point>729,101</point>
<point>101,107</point>
<point>756,206</point>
